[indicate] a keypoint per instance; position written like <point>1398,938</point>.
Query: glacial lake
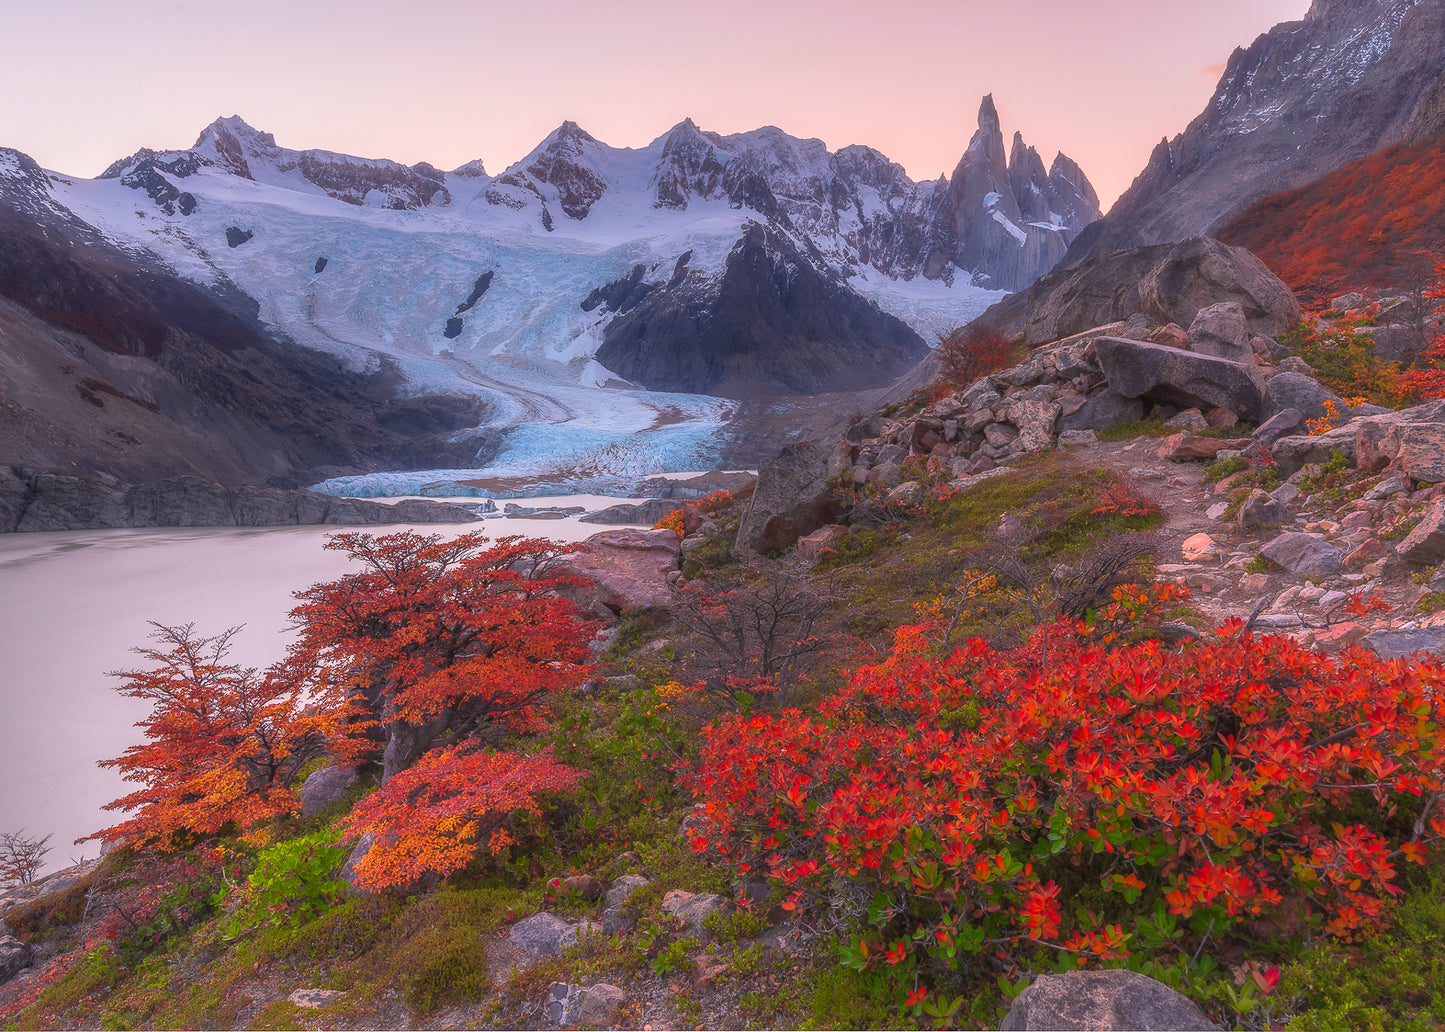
<point>73,605</point>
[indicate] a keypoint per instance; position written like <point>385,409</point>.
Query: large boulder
<point>1396,644</point>
<point>646,513</point>
<point>15,957</point>
<point>793,498</point>
<point>1102,1000</point>
<point>1102,409</point>
<point>1425,545</point>
<point>1304,554</point>
<point>324,787</point>
<point>1297,391</point>
<point>1221,330</point>
<point>1415,449</point>
<point>1137,369</point>
<point>624,570</point>
<point>1169,282</point>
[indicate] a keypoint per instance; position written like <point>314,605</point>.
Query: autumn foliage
<point>409,661</point>
<point>1359,226</point>
<point>1047,797</point>
<point>222,743</point>
<point>968,352</point>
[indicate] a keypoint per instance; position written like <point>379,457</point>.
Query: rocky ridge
<point>1302,100</point>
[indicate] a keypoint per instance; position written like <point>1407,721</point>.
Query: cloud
<point>1212,72</point>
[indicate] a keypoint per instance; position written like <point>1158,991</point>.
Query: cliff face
<point>1302,100</point>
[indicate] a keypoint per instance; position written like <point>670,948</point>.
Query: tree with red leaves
<point>437,639</point>
<point>222,743</point>
<point>968,352</point>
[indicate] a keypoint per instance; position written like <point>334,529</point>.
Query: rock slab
<point>1102,1001</point>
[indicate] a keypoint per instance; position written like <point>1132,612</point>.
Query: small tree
<point>222,742</point>
<point>765,627</point>
<point>21,856</point>
<point>440,639</point>
<point>967,352</point>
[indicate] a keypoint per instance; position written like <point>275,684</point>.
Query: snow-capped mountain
<point>601,302</point>
<point>1304,99</point>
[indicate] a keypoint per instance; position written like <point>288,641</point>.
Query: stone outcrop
<point>324,787</point>
<point>38,500</point>
<point>646,513</point>
<point>793,498</point>
<point>1103,1000</point>
<point>1305,98</point>
<point>1171,283</point>
<point>624,570</point>
<point>1137,369</point>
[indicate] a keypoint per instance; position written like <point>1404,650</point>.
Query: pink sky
<point>87,81</point>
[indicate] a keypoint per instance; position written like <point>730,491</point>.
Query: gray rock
<point>575,933</point>
<point>563,1004</point>
<point>644,513</point>
<point>600,1004</point>
<point>1000,434</point>
<point>889,474</point>
<point>1137,369</point>
<point>1425,545</point>
<point>621,889</point>
<point>1296,391</point>
<point>541,933</point>
<point>1260,510</point>
<point>1222,331</point>
<point>1043,392</point>
<point>1101,410</point>
<point>1387,488</point>
<point>1103,1000</point>
<point>324,787</point>
<point>1070,364</point>
<point>865,430</point>
<point>1190,419</point>
<point>891,453</point>
<point>1285,423</point>
<point>1285,493</point>
<point>1075,437</point>
<point>15,956</point>
<point>1035,420</point>
<point>623,570</point>
<point>792,498</point>
<point>1295,364</point>
<point>1291,454</point>
<point>980,394</point>
<point>694,908</point>
<point>1170,282</point>
<point>1396,644</point>
<point>1304,554</point>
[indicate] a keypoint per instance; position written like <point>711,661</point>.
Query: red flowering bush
<point>1085,797</point>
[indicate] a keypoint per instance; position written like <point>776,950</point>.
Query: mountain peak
<point>235,126</point>
<point>988,115</point>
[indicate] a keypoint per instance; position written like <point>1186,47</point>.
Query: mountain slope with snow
<point>541,291</point>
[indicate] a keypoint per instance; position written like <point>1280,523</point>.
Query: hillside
<point>1357,227</point>
<point>835,815</point>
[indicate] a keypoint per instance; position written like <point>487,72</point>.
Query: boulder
<point>1425,545</point>
<point>1035,420</point>
<point>1395,644</point>
<point>1284,423</point>
<point>792,498</point>
<point>600,1004</point>
<point>1297,391</point>
<point>15,957</point>
<point>1415,449</point>
<point>1221,330</point>
<point>1189,448</point>
<point>624,570</point>
<point>1137,369</point>
<point>541,933</point>
<point>1291,454</point>
<point>324,787</point>
<point>1260,511</point>
<point>1102,1000</point>
<point>1199,547</point>
<point>621,889</point>
<point>645,513</point>
<point>1170,282</point>
<point>694,908</point>
<point>1304,554</point>
<point>315,999</point>
<point>1102,409</point>
<point>812,546</point>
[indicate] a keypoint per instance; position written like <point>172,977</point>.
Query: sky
<point>85,82</point>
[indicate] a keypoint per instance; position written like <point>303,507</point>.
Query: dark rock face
<point>320,264</point>
<point>1302,100</point>
<point>647,513</point>
<point>235,236</point>
<point>479,289</point>
<point>777,322</point>
<point>623,295</point>
<point>232,145</point>
<point>110,364</point>
<point>561,162</point>
<point>1103,1000</point>
<point>324,787</point>
<point>15,956</point>
<point>793,498</point>
<point>37,500</point>
<point>453,328</point>
<point>1171,283</point>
